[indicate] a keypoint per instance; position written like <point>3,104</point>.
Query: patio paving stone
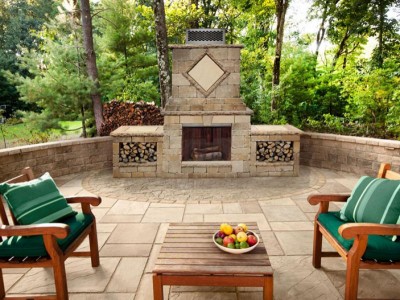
<point>269,238</point>
<point>187,218</point>
<point>134,216</point>
<point>103,296</point>
<point>163,214</point>
<point>135,233</point>
<point>295,278</point>
<point>81,277</point>
<point>128,274</point>
<point>290,242</point>
<point>125,207</point>
<point>232,208</point>
<point>125,250</point>
<point>204,208</point>
<point>287,226</point>
<point>283,213</point>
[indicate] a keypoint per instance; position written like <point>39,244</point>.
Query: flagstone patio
<point>134,216</point>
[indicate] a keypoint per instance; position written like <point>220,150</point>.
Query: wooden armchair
<point>360,232</point>
<point>58,240</point>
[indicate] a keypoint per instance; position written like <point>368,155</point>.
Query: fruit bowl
<point>237,251</point>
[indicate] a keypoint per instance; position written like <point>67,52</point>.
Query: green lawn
<point>19,134</point>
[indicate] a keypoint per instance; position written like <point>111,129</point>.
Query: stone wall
<point>273,135</point>
<point>347,153</point>
<point>145,137</point>
<point>57,158</point>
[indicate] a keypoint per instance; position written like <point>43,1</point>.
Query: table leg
<point>157,287</point>
<point>268,289</point>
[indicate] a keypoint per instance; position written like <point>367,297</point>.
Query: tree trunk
<point>321,30</point>
<point>380,34</point>
<point>341,49</point>
<point>281,8</point>
<point>162,50</point>
<point>91,63</point>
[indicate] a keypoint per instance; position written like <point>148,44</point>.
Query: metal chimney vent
<point>205,36</point>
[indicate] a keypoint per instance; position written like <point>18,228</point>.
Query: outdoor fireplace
<point>207,131</point>
<point>206,143</point>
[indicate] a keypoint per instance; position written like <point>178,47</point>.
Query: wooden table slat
<point>199,269</point>
<point>214,262</point>
<point>211,255</point>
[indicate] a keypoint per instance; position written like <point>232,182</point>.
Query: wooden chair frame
<point>50,232</point>
<point>358,231</point>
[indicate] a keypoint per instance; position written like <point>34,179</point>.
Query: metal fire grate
<point>205,36</point>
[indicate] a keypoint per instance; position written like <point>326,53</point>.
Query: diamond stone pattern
<point>206,73</point>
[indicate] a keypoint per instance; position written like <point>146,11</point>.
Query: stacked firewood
<point>137,152</point>
<point>277,151</point>
<point>118,113</point>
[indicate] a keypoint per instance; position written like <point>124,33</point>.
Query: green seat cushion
<point>379,247</point>
<point>36,201</point>
<point>373,200</point>
<point>33,246</point>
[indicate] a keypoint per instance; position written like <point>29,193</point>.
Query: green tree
<point>59,84</point>
<point>127,53</point>
<point>19,19</point>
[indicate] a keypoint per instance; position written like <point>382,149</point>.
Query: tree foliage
<point>331,79</point>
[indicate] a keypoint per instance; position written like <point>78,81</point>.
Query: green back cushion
<point>36,201</point>
<point>378,248</point>
<point>373,200</point>
<point>33,246</point>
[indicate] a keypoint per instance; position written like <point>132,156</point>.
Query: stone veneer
<point>353,154</point>
<point>59,158</point>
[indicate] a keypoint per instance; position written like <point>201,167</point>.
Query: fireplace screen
<point>206,143</point>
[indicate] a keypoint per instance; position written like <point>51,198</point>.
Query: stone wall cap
<point>274,129</point>
<point>138,131</point>
<point>247,112</point>
<point>354,139</point>
<point>50,145</point>
<point>202,46</point>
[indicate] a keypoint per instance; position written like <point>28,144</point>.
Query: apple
<point>251,240</point>
<point>228,240</point>
<point>238,229</point>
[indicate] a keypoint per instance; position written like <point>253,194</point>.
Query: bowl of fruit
<point>236,240</point>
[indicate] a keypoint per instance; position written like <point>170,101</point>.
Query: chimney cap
<point>205,36</point>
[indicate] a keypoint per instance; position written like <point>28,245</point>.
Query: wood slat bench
<point>188,256</point>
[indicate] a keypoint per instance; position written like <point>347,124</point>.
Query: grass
<point>18,134</point>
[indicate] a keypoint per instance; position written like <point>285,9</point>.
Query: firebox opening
<point>206,143</point>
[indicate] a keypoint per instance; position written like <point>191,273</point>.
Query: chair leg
<point>353,266</point>
<point>60,278</point>
<point>94,246</point>
<point>317,246</point>
<point>352,275</point>
<point>2,288</point>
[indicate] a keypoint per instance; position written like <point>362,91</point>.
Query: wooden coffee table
<point>188,256</point>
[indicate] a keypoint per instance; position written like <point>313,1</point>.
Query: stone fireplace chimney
<point>207,131</point>
<point>206,123</point>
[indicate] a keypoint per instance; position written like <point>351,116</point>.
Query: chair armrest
<point>94,201</point>
<point>351,230</point>
<point>324,200</point>
<point>59,230</point>
<point>315,199</point>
